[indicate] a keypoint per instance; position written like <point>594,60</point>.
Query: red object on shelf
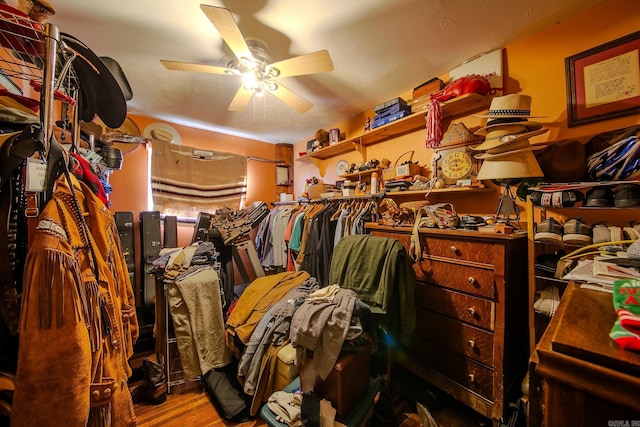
<point>473,83</point>
<point>19,33</point>
<point>37,86</point>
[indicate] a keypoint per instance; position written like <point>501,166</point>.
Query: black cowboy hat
<point>98,86</point>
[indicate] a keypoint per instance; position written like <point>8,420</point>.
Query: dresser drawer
<point>475,311</point>
<point>466,372</point>
<point>463,250</point>
<point>472,280</point>
<point>472,342</point>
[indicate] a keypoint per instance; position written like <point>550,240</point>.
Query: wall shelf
<point>440,190</point>
<point>455,107</point>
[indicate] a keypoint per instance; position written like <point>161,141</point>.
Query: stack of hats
<point>507,150</point>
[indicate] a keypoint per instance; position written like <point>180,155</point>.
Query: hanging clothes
<point>78,322</point>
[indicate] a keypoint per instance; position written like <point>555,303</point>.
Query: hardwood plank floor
<point>187,409</point>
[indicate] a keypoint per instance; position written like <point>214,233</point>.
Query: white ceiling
<point>380,49</point>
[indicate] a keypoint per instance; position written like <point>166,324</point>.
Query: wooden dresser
<point>579,375</point>
<point>471,337</point>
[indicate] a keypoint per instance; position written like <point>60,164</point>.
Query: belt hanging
<point>31,211</point>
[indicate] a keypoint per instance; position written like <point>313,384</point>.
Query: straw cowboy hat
<point>522,164</point>
<point>509,137</point>
<point>488,156</point>
<point>162,132</point>
<point>511,106</point>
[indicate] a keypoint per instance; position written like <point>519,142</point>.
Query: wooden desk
<point>579,375</point>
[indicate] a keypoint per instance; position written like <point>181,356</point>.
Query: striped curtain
<point>186,181</point>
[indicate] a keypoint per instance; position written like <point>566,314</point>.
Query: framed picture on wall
<point>282,175</point>
<point>604,82</point>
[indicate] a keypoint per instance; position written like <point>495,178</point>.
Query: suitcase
<point>124,224</point>
<point>226,393</point>
<point>201,229</point>
<point>150,244</point>
<point>346,384</point>
<point>170,232</point>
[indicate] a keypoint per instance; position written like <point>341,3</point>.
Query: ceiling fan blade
<point>298,103</point>
<point>316,62</point>
<point>241,100</point>
<point>198,68</point>
<point>226,25</point>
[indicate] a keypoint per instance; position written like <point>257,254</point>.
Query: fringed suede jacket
<point>78,321</point>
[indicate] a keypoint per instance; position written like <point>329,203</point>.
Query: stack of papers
<point>599,272</point>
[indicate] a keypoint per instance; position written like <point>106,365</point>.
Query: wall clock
<point>342,167</point>
<point>455,162</point>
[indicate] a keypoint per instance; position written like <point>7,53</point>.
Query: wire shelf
<point>24,43</point>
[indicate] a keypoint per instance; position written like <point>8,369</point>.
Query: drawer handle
<point>453,249</point>
<point>472,378</point>
<point>472,311</point>
<point>471,279</point>
<point>471,343</point>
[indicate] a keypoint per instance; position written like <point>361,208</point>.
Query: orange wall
<point>130,184</point>
<point>532,66</point>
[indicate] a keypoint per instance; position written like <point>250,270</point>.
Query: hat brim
<point>162,132</point>
<point>506,142</point>
<point>526,123</point>
<point>488,156</point>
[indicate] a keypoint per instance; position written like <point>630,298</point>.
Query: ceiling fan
<point>252,62</point>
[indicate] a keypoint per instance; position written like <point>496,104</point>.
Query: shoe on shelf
<point>577,232</point>
<point>627,195</point>
<point>601,196</point>
<point>548,230</point>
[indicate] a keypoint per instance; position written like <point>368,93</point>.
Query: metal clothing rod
<point>262,159</point>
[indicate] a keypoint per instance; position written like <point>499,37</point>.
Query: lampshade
<point>518,165</point>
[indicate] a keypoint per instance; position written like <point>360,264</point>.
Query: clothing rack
<point>331,199</point>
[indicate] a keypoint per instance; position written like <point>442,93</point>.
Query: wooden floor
<point>185,410</point>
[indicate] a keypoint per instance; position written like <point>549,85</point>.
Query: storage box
<point>286,369</point>
<point>406,170</point>
<point>427,88</point>
<point>346,384</point>
<point>315,190</point>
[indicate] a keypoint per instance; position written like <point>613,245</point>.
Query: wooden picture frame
<point>283,176</point>
<point>604,82</point>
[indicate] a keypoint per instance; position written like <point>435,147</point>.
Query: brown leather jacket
<point>76,330</point>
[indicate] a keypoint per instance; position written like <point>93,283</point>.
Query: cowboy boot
<point>155,381</point>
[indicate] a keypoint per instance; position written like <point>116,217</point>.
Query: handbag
<point>441,215</point>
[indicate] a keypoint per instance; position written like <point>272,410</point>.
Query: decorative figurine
<point>367,124</point>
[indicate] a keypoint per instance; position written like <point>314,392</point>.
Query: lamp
<point>505,168</point>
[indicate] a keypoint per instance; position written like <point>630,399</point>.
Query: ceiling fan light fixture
<point>259,92</point>
<point>251,79</point>
<point>247,62</point>
<point>272,72</point>
<point>270,85</point>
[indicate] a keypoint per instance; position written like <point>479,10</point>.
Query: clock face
<point>457,165</point>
